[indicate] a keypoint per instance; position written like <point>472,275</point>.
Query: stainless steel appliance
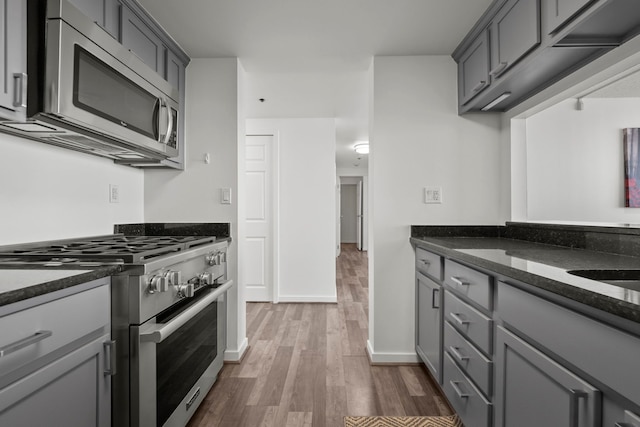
<point>87,92</point>
<point>168,310</point>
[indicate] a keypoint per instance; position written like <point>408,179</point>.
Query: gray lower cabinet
<point>429,324</point>
<point>473,69</point>
<point>514,32</point>
<point>56,359</point>
<point>533,390</point>
<point>70,391</point>
<point>13,62</point>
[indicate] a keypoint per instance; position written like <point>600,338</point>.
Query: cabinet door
<point>71,391</point>
<point>13,61</point>
<point>429,324</point>
<point>103,12</point>
<point>533,390</point>
<point>559,12</point>
<point>473,69</point>
<point>175,70</point>
<point>142,41</point>
<point>514,32</point>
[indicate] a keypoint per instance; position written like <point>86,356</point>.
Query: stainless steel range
<point>168,310</point>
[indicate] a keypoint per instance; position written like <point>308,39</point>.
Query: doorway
<point>352,218</point>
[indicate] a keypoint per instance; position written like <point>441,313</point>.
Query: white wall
<point>214,125</point>
<point>575,169</point>
<point>418,140</point>
<point>49,193</point>
<point>307,179</point>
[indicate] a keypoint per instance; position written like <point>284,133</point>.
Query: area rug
<point>450,421</point>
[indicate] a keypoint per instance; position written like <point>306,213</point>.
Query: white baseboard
<point>236,355</point>
<point>391,358</point>
<point>308,299</point>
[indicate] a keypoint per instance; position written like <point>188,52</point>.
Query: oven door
<point>176,357</point>
<point>88,87</point>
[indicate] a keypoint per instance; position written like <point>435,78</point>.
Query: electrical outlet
<point>114,193</point>
<point>433,194</point>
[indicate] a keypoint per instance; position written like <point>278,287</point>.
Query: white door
<point>359,225</point>
<point>258,253</point>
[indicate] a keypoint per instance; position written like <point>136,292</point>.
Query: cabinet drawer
<point>612,353</point>
<point>470,405</point>
<point>469,282</point>
<point>470,322</point>
<point>471,361</point>
<point>48,327</point>
<point>429,263</point>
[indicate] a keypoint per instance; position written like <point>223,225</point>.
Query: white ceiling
<point>311,58</point>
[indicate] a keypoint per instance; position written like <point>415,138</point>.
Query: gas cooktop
<point>101,250</point>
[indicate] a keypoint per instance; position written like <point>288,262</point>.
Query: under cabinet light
<point>496,101</point>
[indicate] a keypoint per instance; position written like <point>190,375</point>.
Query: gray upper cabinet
<point>105,13</point>
<point>142,41</point>
<point>515,31</point>
<point>473,69</point>
<point>13,66</point>
<point>429,324</point>
<point>175,70</point>
<point>559,12</point>
<point>536,391</point>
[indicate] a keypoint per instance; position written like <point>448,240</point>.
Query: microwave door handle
<point>169,124</point>
<point>161,120</point>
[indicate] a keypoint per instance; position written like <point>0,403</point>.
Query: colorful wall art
<point>631,167</point>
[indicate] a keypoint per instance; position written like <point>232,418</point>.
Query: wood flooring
<point>307,366</point>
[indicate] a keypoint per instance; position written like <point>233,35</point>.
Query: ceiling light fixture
<point>361,148</point>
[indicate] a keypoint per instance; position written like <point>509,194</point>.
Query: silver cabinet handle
<point>25,342</point>
<point>456,353</point>
<point>460,282</point>
<point>574,413</point>
<point>435,302</point>
<point>458,390</point>
<point>20,95</point>
<point>621,425</point>
<point>458,319</point>
<point>499,69</point>
<point>158,332</point>
<point>425,262</point>
<point>479,86</point>
<point>110,362</point>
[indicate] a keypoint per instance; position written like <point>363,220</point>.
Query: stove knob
<point>174,278</point>
<point>205,279</point>
<point>185,290</point>
<point>213,259</point>
<point>158,284</point>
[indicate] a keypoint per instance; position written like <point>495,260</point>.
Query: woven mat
<point>452,421</point>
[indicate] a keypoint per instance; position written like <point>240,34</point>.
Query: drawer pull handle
<point>425,262</point>
<point>456,353</point>
<point>479,86</point>
<point>25,342</point>
<point>458,319</point>
<point>622,425</point>
<point>110,364</point>
<point>435,298</point>
<point>499,69</point>
<point>460,282</point>
<point>574,407</point>
<point>458,390</point>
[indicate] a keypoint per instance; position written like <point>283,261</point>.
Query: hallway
<point>307,365</point>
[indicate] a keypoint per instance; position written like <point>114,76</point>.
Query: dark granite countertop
<point>542,264</point>
<point>17,284</point>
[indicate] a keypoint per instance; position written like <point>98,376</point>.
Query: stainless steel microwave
<point>85,91</point>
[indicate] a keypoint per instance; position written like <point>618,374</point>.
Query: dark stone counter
<point>18,284</point>
<point>541,255</point>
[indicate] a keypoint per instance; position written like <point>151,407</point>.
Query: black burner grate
<point>130,249</point>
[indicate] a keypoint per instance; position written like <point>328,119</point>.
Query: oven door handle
<point>158,332</point>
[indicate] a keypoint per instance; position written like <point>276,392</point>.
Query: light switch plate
<point>114,194</point>
<point>433,194</point>
<point>225,196</point>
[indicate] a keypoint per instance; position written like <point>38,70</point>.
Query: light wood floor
<point>307,366</point>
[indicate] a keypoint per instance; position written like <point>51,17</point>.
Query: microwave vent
<point>84,143</point>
